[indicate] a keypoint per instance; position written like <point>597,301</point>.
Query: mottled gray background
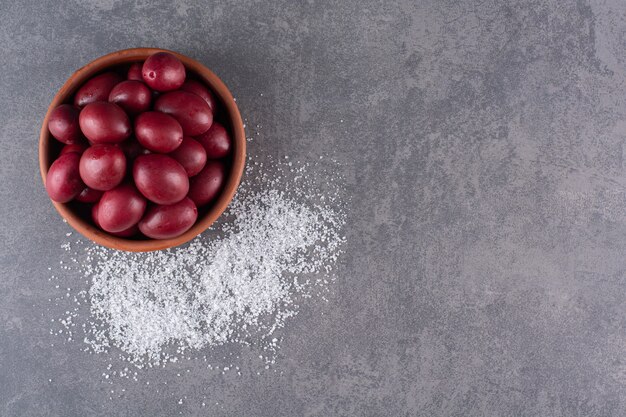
<point>483,146</point>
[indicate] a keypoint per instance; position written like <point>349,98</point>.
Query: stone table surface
<point>482,145</point>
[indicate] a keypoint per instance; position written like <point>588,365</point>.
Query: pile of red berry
<point>144,152</point>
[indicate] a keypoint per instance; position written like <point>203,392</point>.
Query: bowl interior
<point>77,215</point>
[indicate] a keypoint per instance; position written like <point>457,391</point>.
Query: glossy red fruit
<point>206,186</point>
<point>104,122</point>
<point>120,208</point>
<point>216,141</point>
<point>102,167</point>
<point>63,181</point>
<point>134,72</point>
<point>94,214</point>
<point>63,124</point>
<point>191,111</point>
<point>96,89</point>
<point>160,178</point>
<point>89,195</point>
<point>191,155</point>
<point>132,96</point>
<point>163,72</point>
<point>124,233</point>
<point>199,89</point>
<point>130,232</point>
<point>166,222</point>
<point>79,148</point>
<point>158,132</point>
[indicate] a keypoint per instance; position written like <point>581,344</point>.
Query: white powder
<point>279,239</point>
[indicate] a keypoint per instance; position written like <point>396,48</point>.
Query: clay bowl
<point>79,219</point>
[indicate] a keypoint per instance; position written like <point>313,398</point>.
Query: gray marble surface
<point>483,147</point>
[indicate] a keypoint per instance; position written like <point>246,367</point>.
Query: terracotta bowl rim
<point>100,237</point>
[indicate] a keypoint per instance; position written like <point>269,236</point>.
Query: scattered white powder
<point>210,292</point>
<point>279,239</point>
